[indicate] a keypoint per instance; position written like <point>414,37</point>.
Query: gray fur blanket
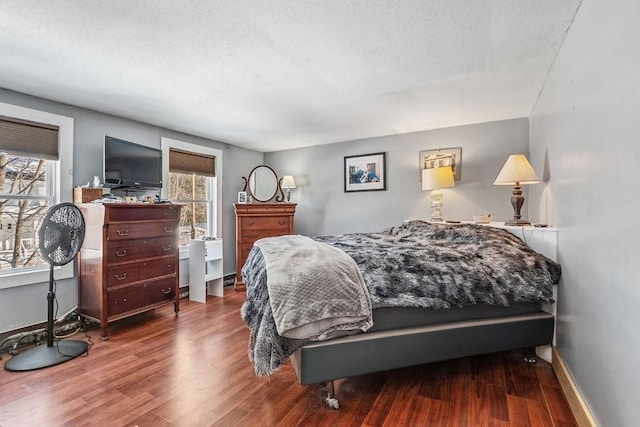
<point>435,265</point>
<point>417,264</point>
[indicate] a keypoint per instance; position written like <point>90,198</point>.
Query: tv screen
<point>127,164</point>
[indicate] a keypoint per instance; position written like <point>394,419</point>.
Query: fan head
<point>61,234</point>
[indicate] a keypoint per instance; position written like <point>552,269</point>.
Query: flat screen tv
<point>131,165</point>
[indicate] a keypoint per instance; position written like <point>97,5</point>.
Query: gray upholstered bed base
<point>344,357</point>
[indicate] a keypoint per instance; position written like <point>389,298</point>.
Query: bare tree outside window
<point>23,204</point>
<point>191,190</point>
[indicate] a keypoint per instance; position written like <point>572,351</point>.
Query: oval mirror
<point>263,183</point>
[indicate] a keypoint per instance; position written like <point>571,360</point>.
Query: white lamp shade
<point>288,182</point>
<point>517,171</point>
<point>435,178</point>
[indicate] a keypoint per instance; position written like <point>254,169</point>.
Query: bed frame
<point>326,361</point>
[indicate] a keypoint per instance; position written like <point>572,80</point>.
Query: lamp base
<point>517,222</point>
<point>517,200</point>
<point>436,215</point>
<point>436,205</point>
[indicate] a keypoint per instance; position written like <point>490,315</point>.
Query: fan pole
<point>50,297</point>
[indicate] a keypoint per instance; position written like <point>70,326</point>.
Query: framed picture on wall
<point>366,172</point>
<point>442,157</point>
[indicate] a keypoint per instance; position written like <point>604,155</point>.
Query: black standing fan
<point>60,238</point>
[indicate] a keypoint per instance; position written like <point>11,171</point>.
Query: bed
<point>412,294</point>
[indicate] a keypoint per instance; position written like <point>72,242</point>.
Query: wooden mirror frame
<point>278,194</point>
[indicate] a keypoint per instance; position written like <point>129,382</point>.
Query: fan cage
<point>61,234</point>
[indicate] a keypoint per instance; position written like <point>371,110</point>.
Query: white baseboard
<point>574,398</point>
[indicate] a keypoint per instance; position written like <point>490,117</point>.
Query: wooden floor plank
<point>557,405</point>
<point>518,412</point>
<point>157,369</point>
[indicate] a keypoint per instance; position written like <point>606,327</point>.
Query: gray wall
<point>586,123</point>
<point>26,305</point>
<point>324,208</point>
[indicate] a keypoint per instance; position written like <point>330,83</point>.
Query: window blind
<point>188,163</point>
<point>28,139</point>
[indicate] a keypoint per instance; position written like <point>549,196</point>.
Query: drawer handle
<point>250,223</point>
<point>124,276</point>
<point>122,233</point>
<point>120,254</point>
<point>251,236</point>
<point>168,230</point>
<point>167,248</point>
<point>282,222</point>
<point>166,291</point>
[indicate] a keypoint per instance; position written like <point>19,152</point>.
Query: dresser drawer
<point>246,244</point>
<point>122,274</point>
<point>140,295</point>
<point>120,251</point>
<point>245,248</point>
<point>269,209</point>
<point>137,230</point>
<point>250,236</point>
<point>265,223</point>
<point>143,213</point>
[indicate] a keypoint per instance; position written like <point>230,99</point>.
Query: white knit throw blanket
<point>316,291</point>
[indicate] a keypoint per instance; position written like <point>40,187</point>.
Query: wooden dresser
<point>255,221</point>
<point>129,261</point>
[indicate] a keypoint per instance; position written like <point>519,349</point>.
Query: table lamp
<point>288,183</point>
<point>517,171</point>
<point>434,179</point>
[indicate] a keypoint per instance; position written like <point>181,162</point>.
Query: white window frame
<point>214,218</point>
<point>62,190</point>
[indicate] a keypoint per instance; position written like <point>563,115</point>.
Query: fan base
<point>42,356</point>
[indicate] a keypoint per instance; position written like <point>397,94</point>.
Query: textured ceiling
<point>271,75</point>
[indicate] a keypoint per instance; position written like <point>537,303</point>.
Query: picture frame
<point>242,197</point>
<point>441,157</point>
<point>365,172</point>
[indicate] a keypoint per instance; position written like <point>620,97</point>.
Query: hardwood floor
<point>192,370</point>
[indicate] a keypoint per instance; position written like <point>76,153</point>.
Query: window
<point>194,192</point>
<point>25,197</point>
<point>35,147</point>
<point>191,177</point>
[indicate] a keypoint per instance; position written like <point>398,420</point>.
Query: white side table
<point>543,240</point>
<point>205,269</point>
